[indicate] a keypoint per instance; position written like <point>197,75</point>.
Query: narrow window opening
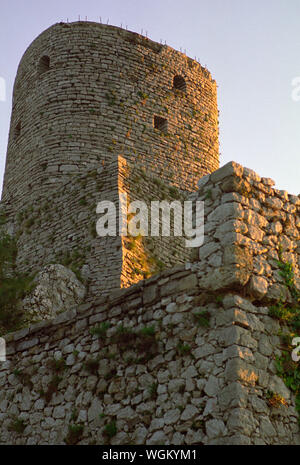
<point>43,65</point>
<point>161,123</point>
<point>17,131</point>
<point>179,83</point>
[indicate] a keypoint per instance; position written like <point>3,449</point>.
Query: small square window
<point>161,123</point>
<point>43,65</point>
<point>179,83</point>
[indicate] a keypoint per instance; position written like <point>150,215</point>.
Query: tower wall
<point>86,92</point>
<point>87,95</point>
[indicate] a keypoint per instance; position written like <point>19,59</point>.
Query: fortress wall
<point>146,255</point>
<point>249,227</point>
<point>98,100</point>
<point>201,374</point>
<point>187,384</point>
<point>62,229</point>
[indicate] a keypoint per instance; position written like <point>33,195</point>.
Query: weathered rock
<point>159,438</point>
<point>57,289</point>
<point>215,428</point>
<point>258,287</point>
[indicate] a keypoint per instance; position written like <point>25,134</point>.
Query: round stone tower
<point>99,111</point>
<point>86,93</point>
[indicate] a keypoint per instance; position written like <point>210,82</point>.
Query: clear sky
<point>251,47</point>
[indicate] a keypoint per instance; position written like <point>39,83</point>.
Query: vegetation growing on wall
<point>13,286</point>
<point>144,257</point>
<point>288,313</point>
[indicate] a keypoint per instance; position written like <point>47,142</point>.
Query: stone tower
<point>98,110</point>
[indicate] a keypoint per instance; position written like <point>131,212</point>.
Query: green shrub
<point>74,434</point>
<point>183,349</point>
<point>110,429</point>
<point>153,390</point>
<point>2,217</point>
<point>202,318</point>
<point>52,388</point>
<point>288,315</point>
<point>91,366</point>
<point>58,365</point>
<point>100,330</point>
<point>148,331</point>
<point>17,425</point>
<point>13,286</point>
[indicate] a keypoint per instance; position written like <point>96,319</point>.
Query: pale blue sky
<point>251,47</point>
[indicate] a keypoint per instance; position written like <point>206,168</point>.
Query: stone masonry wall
<point>249,227</point>
<point>185,383</point>
<point>185,357</point>
<point>62,229</point>
<point>146,255</point>
<point>96,98</point>
<point>85,95</point>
